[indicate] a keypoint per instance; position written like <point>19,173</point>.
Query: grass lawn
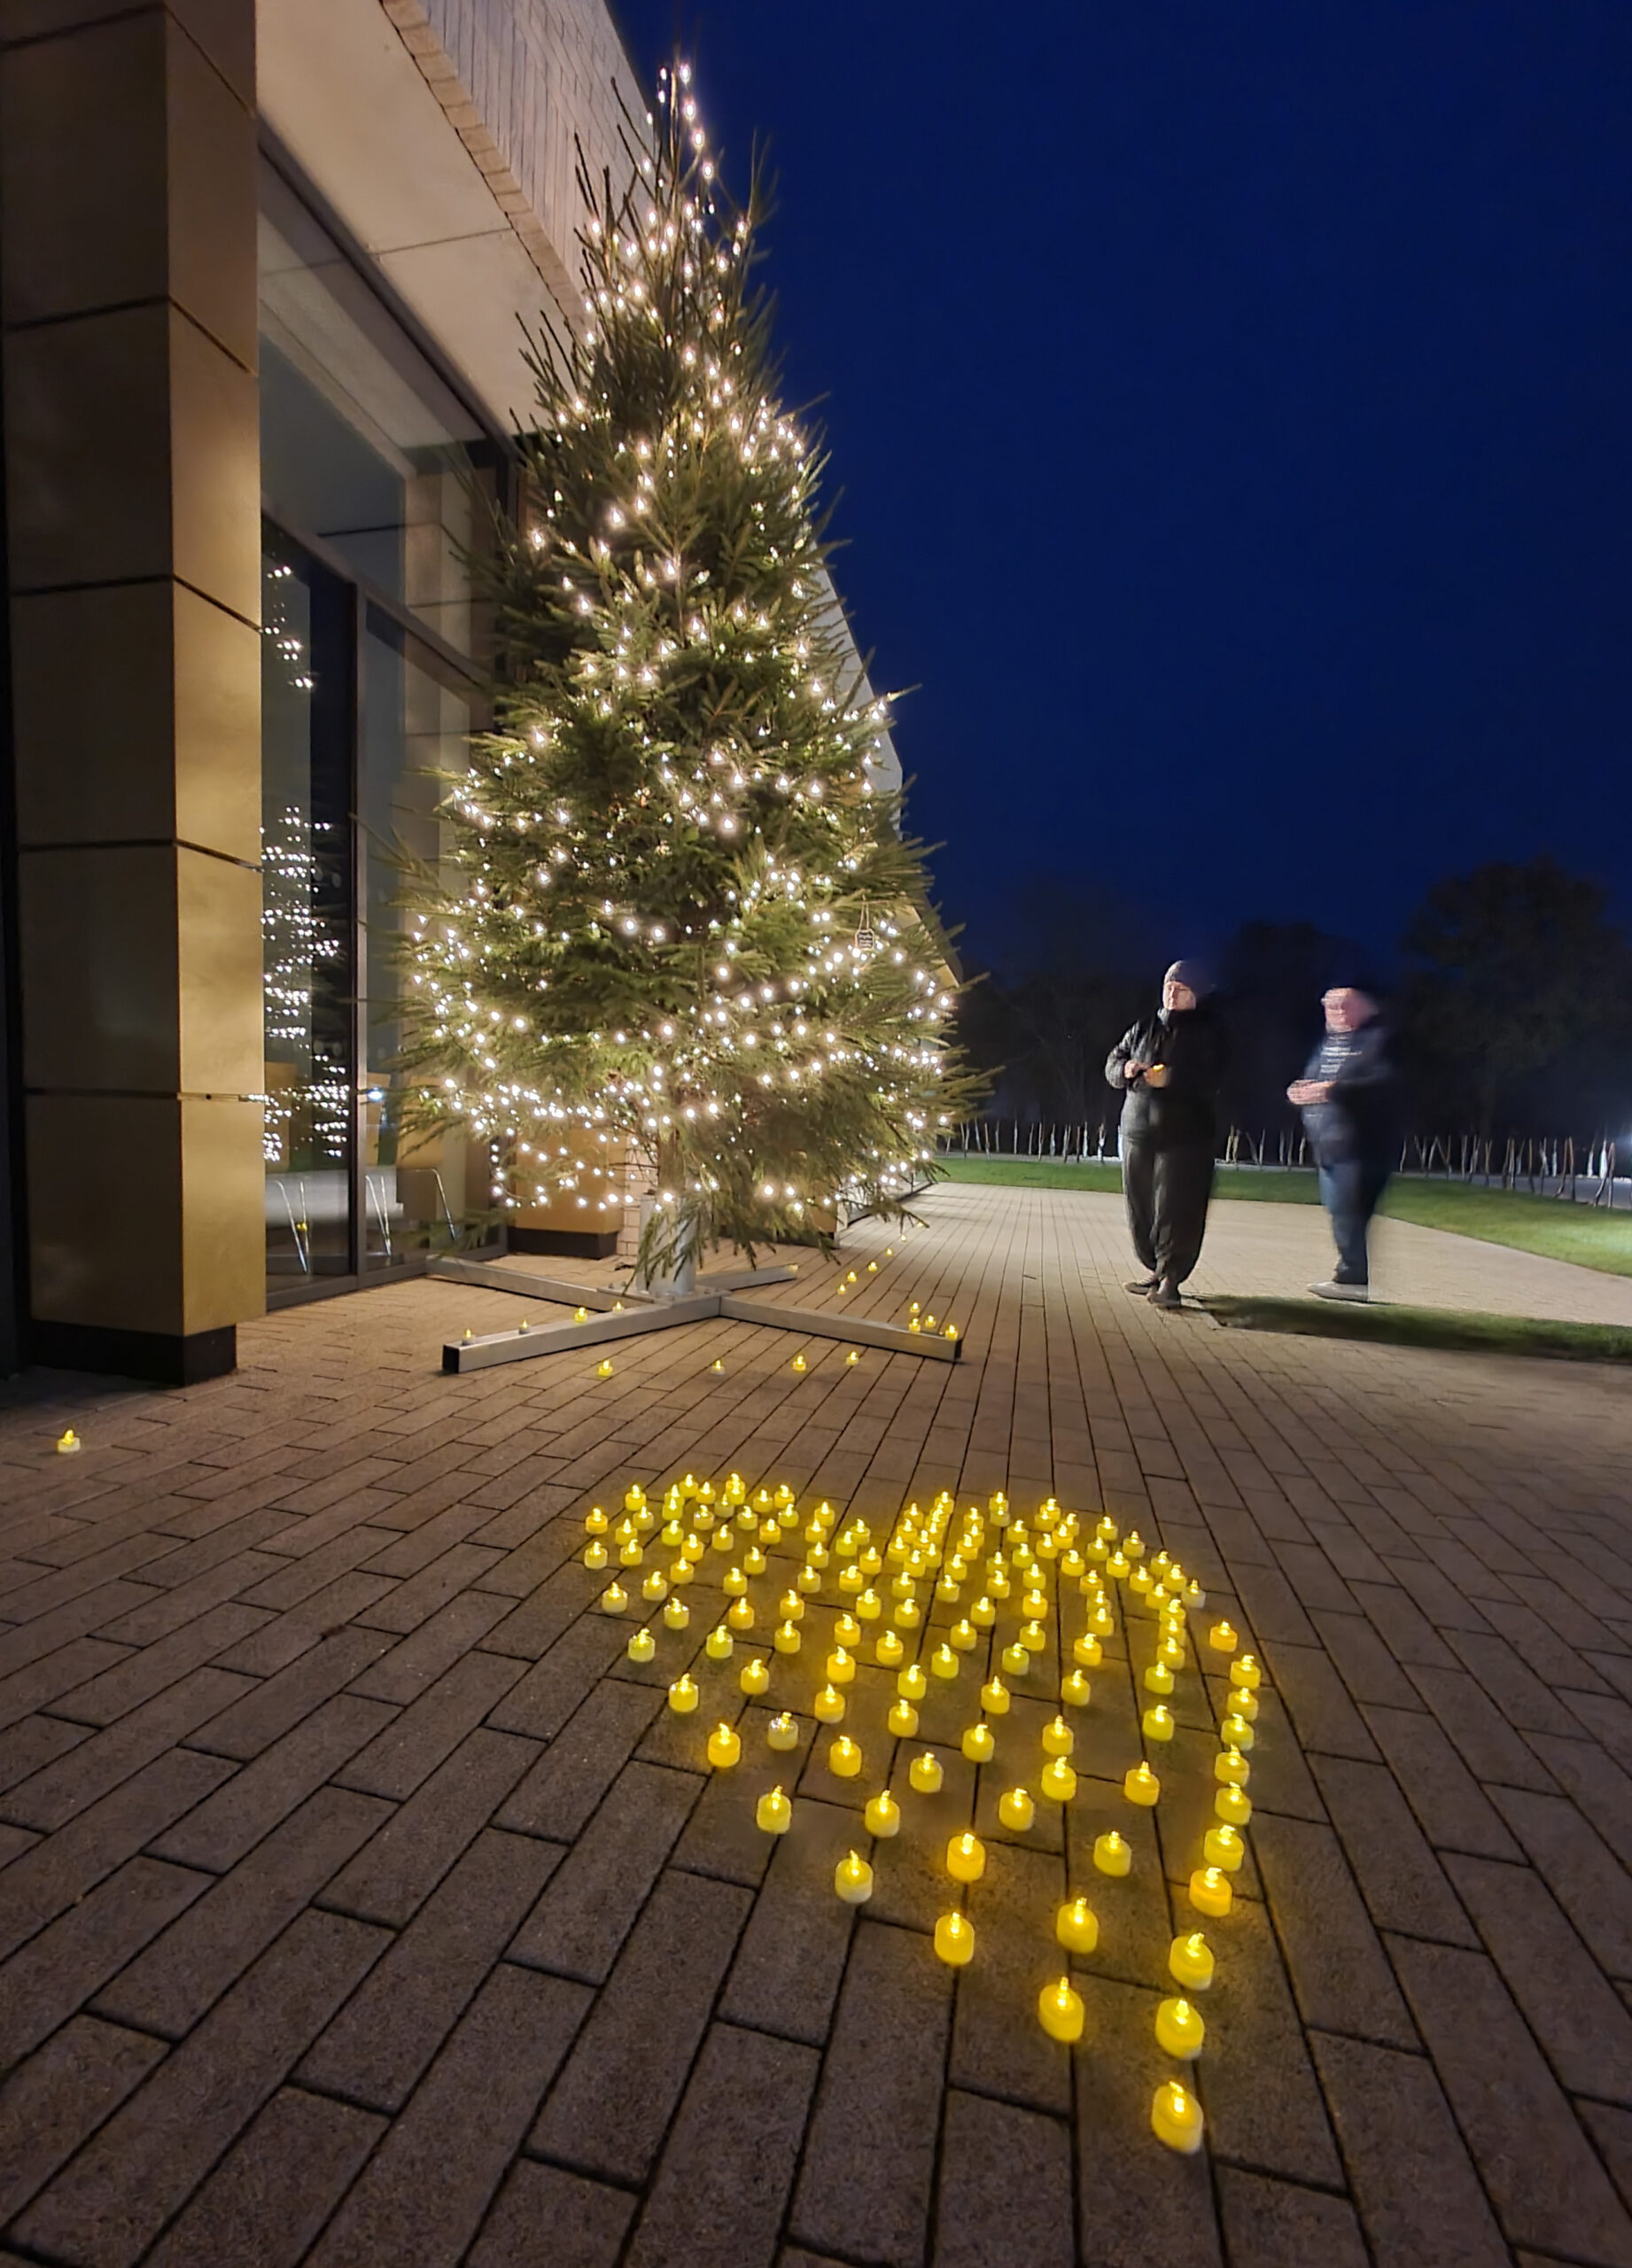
<point>1539,1225</point>
<point>1386,1326</point>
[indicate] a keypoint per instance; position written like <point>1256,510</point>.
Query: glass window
<point>362,443</point>
<point>308,915</point>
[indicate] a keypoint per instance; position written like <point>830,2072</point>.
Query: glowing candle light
<point>1246,1672</point>
<point>841,1667</point>
<point>829,1706</point>
<point>1159,1679</point>
<point>790,1606</point>
<point>1076,1926</point>
<point>655,1585</point>
<point>982,1614</point>
<point>926,1773</point>
<point>1058,1780</point>
<point>1223,1638</point>
<point>954,1940</point>
<point>1176,2118</point>
<point>911,1684</point>
<point>843,1757</point>
<point>603,1370</point>
<point>1224,1848</point>
<point>676,1614</point>
<point>1238,1732</point>
<point>1190,1960</point>
<point>1087,1652</point>
<point>966,1857</point>
<point>1112,1854</point>
<point>1074,1689</point>
<point>1158,1722</point>
<point>883,1815</point>
<point>740,1614</point>
<point>852,1879</point>
<point>1244,1703</point>
<point>1060,2011</point>
<point>994,1698</point>
<point>783,1732</point>
<point>978,1745</point>
<point>1211,1893</point>
<point>725,1746</point>
<point>594,1521</point>
<point>1016,1809</point>
<point>756,1676</point>
<point>1141,1786</point>
<point>943,1662</point>
<point>1180,2031</point>
<point>642,1646</point>
<point>683,1695</point>
<point>902,1719</point>
<point>1231,1767</point>
<point>614,1599</point>
<point>1016,1659</point>
<point>961,1635</point>
<point>1234,1805</point>
<point>719,1643</point>
<point>773,1814</point>
<point>846,1631</point>
<point>786,1638</point>
<point>869,1606</point>
<point>596,1555</point>
<point>1058,1738</point>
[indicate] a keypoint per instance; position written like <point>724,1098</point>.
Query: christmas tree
<point>678,921</point>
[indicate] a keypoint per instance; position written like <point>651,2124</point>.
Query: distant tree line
<point>1511,1002</point>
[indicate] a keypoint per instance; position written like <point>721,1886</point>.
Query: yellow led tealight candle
<point>869,1606</point>
<point>719,1643</point>
<point>1016,1809</point>
<point>1180,2031</point>
<point>783,1732</point>
<point>954,1940</point>
<point>911,1684</point>
<point>847,1631</point>
<point>1224,1848</point>
<point>1087,1652</point>
<point>841,1667</point>
<point>852,1879</point>
<point>902,1719</point>
<point>966,1857</point>
<point>883,1815</point>
<point>614,1599</point>
<point>1058,1738</point>
<point>1112,1855</point>
<point>994,1698</point>
<point>961,1635</point>
<point>790,1606</point>
<point>656,1587</point>
<point>1231,1767</point>
<point>829,1706</point>
<point>1158,1722</point>
<point>1238,1732</point>
<point>1159,1679</point>
<point>1141,1786</point>
<point>642,1646</point>
<point>888,1648</point>
<point>1190,1960</point>
<point>1223,1638</point>
<point>1076,1926</point>
<point>740,1614</point>
<point>725,1746</point>
<point>756,1677</point>
<point>1058,1780</point>
<point>926,1773</point>
<point>944,1663</point>
<point>1244,1703</point>
<point>978,1745</point>
<point>1211,1893</point>
<point>676,1615</point>
<point>1016,1659</point>
<point>594,1521</point>
<point>1075,1689</point>
<point>786,1638</point>
<point>843,1757</point>
<point>683,1695</point>
<point>1246,1672</point>
<point>1059,2010</point>
<point>773,1814</point>
<point>1234,1805</point>
<point>1176,2118</point>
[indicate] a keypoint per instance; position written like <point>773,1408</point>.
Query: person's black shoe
<point>1143,1289</point>
<point>1165,1295</point>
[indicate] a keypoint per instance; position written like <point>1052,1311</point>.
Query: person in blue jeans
<point>1349,1096</point>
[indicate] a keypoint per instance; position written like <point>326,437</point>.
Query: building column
<point>132,481</point>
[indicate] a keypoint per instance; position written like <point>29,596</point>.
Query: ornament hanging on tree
<point>636,944</point>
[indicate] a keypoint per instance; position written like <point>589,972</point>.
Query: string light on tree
<point>677,917</point>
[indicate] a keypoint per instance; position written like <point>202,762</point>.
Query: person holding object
<point>1349,1096</point>
<point>1168,1071</point>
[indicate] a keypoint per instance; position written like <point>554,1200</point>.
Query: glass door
<point>309,916</point>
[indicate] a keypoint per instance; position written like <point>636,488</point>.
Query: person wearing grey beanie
<point>1168,1070</point>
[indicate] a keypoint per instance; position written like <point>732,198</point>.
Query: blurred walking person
<point>1168,1071</point>
<point>1349,1098</point>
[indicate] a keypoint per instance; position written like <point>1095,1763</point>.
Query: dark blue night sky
<point>1233,401</point>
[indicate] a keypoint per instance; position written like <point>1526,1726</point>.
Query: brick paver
<point>361,1902</point>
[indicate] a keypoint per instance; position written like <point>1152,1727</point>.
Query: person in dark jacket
<point>1349,1096</point>
<point>1168,1071</point>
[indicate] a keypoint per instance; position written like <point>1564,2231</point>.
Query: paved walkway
<point>361,1902</point>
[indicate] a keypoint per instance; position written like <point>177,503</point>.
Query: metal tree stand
<point>632,1314</point>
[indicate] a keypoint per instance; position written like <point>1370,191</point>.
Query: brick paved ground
<point>361,1902</point>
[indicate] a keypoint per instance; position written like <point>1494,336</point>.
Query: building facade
<point>266,277</point>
